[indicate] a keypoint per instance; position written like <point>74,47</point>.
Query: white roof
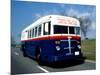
<point>46,18</point>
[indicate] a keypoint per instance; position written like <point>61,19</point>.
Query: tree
<point>85,23</point>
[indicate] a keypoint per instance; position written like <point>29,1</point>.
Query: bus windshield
<point>77,30</point>
<point>58,29</point>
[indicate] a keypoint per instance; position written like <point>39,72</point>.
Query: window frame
<point>35,32</point>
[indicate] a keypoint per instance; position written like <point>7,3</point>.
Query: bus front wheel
<point>38,55</point>
<point>24,54</point>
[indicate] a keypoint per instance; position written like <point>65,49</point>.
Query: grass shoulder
<point>89,48</point>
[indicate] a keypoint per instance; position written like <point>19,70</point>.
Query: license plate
<point>77,53</point>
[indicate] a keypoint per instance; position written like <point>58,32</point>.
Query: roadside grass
<point>89,48</point>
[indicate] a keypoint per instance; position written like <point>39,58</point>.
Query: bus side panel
<point>29,48</point>
<point>47,47</point>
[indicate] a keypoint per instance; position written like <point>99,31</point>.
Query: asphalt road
<point>25,65</point>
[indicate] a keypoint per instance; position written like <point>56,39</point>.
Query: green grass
<point>89,48</point>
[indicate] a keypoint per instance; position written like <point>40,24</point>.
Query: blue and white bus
<point>52,38</point>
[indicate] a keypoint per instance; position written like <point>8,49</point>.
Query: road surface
<point>25,65</point>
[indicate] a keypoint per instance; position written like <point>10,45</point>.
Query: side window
<point>35,31</point>
<point>28,34</point>
<point>25,34</point>
<point>46,28</point>
<point>39,30</point>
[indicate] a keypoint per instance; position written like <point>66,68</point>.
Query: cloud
<point>74,12</point>
<point>94,12</point>
<point>52,12</point>
<point>86,14</point>
<point>91,15</point>
<point>93,26</point>
<point>38,15</point>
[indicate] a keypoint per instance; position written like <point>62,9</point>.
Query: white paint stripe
<point>43,69</point>
<point>90,61</point>
<point>16,53</point>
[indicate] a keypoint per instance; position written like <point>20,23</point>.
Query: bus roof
<point>49,18</point>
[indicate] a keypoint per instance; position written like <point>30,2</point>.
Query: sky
<point>25,13</point>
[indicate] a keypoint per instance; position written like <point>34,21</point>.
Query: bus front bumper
<point>60,58</point>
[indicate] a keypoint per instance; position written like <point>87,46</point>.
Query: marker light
<point>78,42</point>
<point>57,42</point>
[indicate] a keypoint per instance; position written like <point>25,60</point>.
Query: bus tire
<point>24,54</point>
<point>38,56</point>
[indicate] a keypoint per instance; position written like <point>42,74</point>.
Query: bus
<point>52,38</point>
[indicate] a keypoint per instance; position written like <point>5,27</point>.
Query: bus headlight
<point>79,46</point>
<point>78,42</point>
<point>58,48</point>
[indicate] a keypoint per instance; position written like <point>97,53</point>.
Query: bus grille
<point>65,47</point>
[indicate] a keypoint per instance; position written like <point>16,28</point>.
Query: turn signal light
<point>78,42</point>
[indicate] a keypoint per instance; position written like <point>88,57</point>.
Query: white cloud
<point>93,26</point>
<point>94,12</point>
<point>38,15</point>
<point>72,12</point>
<point>86,14</point>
